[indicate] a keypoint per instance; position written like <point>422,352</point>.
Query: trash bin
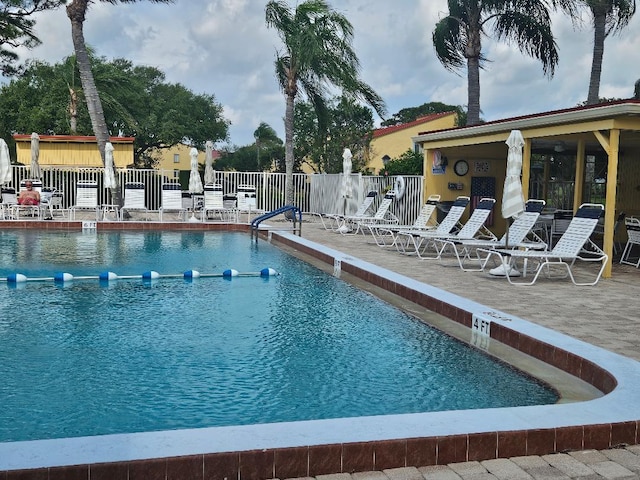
<point>442,209</point>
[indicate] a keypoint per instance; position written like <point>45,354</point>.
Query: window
<point>176,158</point>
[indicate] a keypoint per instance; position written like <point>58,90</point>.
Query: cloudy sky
<point>223,48</point>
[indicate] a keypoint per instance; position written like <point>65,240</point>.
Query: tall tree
<point>349,124</point>
<point>16,29</point>
<point>457,38</point>
<point>77,11</point>
<point>137,102</point>
<point>266,139</point>
<point>607,16</point>
<point>317,55</point>
<point>410,114</point>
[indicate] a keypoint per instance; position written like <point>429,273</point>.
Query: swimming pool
<point>135,356</point>
<point>606,417</point>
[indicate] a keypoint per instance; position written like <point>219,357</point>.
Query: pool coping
<point>299,449</point>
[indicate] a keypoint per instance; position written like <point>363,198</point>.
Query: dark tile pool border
<point>303,449</point>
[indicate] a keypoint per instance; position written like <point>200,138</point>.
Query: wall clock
<point>461,167</point>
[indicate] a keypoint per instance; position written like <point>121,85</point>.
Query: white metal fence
<point>320,193</point>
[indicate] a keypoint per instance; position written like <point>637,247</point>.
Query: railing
<point>321,193</point>
<point>312,193</point>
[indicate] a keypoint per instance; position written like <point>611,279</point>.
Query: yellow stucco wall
<point>168,157</point>
<point>489,162</point>
<point>399,138</point>
<point>73,151</point>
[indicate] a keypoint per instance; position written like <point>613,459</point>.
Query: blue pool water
<point>87,358</point>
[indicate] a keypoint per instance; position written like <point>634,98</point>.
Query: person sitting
<point>29,196</point>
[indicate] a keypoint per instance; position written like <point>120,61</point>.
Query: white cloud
<point>223,48</point>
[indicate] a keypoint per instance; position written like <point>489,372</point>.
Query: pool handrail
<point>295,215</point>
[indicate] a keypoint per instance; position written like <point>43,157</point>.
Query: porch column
<point>610,202</point>
<point>578,187</point>
<point>526,168</point>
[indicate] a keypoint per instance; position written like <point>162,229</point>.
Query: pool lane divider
<point>64,277</point>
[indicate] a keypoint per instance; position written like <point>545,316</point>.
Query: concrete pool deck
<point>603,316</point>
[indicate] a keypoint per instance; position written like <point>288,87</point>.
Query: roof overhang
<point>18,137</point>
<point>624,115</point>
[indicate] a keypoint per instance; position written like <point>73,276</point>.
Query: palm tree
<point>457,38</point>
<point>608,16</point>
<point>17,25</point>
<point>77,11</point>
<point>317,55</point>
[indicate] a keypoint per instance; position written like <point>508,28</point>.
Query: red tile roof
<point>543,114</point>
<point>418,121</point>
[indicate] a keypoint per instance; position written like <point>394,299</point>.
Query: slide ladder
<point>291,213</point>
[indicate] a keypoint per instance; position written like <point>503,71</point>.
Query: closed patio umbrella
<point>512,199</point>
<point>109,175</point>
<point>346,176</point>
<point>209,175</point>
<point>195,182</point>
<point>6,173</point>
<point>36,171</point>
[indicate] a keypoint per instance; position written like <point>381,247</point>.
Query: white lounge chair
<point>214,204</point>
<point>574,244</point>
<point>403,239</point>
<point>424,242</point>
<point>353,225</point>
<point>171,200</point>
<point>86,198</point>
<point>517,236</point>
<point>383,233</point>
<point>134,199</point>
<point>333,221</point>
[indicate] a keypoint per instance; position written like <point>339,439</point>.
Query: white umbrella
<point>36,171</point>
<point>6,172</point>
<point>512,199</point>
<point>195,182</point>
<point>209,175</point>
<point>109,175</point>
<point>346,174</point>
